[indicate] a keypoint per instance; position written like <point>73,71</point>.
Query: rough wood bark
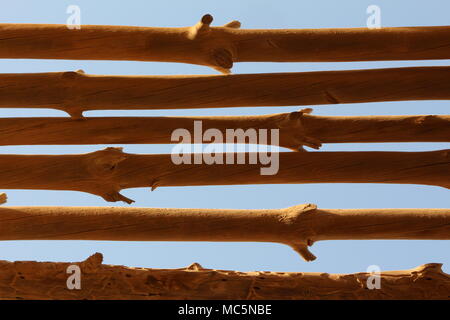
<point>108,171</point>
<point>75,92</point>
<point>299,226</point>
<point>219,47</point>
<point>47,280</point>
<point>295,129</point>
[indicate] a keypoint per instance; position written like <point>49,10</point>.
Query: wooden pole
<point>219,47</point>
<point>299,226</point>
<point>48,280</point>
<point>295,129</point>
<point>75,92</point>
<point>108,171</point>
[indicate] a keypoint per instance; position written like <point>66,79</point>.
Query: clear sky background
<point>333,256</point>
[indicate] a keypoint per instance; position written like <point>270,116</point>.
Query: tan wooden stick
<point>299,226</point>
<point>295,129</point>
<point>47,280</point>
<point>108,171</point>
<point>219,47</point>
<point>75,92</point>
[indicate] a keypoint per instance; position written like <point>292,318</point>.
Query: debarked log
<point>108,171</point>
<point>298,226</point>
<point>21,280</point>
<point>296,129</point>
<point>75,92</point>
<point>220,47</point>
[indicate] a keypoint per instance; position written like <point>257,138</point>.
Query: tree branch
<point>219,47</point>
<point>108,171</point>
<point>299,226</point>
<point>75,92</point>
<point>296,129</point>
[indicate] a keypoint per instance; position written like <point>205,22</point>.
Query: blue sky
<point>333,256</point>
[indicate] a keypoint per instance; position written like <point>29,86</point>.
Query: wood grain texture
<point>47,280</point>
<point>108,171</point>
<point>220,47</point>
<point>76,92</point>
<point>298,226</point>
<point>296,129</point>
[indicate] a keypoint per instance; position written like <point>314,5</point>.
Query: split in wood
<point>220,47</point>
<point>76,92</point>
<point>296,129</point>
<point>298,226</point>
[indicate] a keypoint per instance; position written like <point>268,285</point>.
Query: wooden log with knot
<point>76,92</point>
<point>296,129</point>
<point>220,47</point>
<point>298,226</point>
<point>106,172</point>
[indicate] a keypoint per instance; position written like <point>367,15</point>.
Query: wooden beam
<point>75,92</point>
<point>299,226</point>
<point>47,281</point>
<point>108,171</point>
<point>296,129</point>
<point>220,47</point>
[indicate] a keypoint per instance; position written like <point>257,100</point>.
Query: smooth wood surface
<point>76,92</point>
<point>296,129</point>
<point>298,226</point>
<point>108,171</point>
<point>220,47</point>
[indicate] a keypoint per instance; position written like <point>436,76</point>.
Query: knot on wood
<point>72,103</point>
<point>429,271</point>
<point>154,184</point>
<point>3,198</point>
<point>102,163</point>
<point>293,132</point>
<point>293,214</point>
<point>302,249</point>
<point>92,263</point>
<point>201,28</point>
<point>223,59</point>
<point>72,76</point>
<point>101,166</point>
<point>426,120</point>
<point>298,218</point>
<point>195,267</point>
<point>219,51</point>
